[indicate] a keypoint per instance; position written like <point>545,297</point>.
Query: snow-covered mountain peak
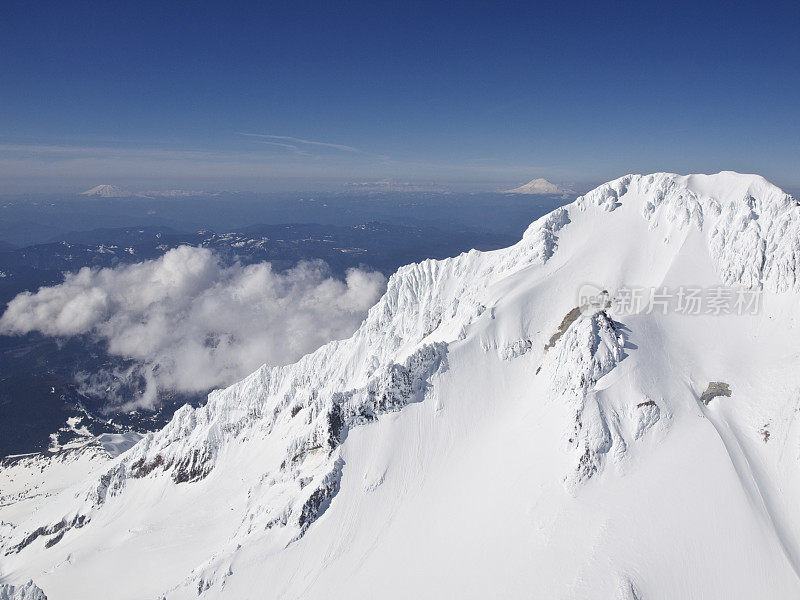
<point>107,191</point>
<point>538,186</point>
<point>721,188</point>
<point>752,227</point>
<point>480,408</point>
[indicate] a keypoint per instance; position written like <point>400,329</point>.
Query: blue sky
<point>473,94</point>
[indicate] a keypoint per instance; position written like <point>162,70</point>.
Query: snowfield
<point>479,435</point>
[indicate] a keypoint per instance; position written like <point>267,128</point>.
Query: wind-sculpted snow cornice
<point>752,227</point>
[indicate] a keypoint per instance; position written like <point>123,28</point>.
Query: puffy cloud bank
<point>191,323</point>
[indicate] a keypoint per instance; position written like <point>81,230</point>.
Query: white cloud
<point>191,323</point>
<point>294,140</point>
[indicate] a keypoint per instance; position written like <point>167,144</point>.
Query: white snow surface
<point>477,437</point>
<point>117,443</point>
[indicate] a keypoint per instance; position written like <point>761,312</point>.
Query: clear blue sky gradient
<point>164,92</point>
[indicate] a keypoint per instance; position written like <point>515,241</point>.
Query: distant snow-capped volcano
<point>107,191</point>
<point>539,186</point>
<point>113,191</point>
<point>492,430</point>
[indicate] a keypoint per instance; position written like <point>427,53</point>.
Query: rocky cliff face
<point>27,591</point>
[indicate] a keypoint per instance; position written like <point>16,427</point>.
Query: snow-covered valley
<point>484,433</point>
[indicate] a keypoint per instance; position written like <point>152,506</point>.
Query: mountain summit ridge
<point>469,411</point>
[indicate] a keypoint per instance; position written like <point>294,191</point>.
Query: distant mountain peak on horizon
<point>107,191</point>
<point>114,191</point>
<point>538,186</point>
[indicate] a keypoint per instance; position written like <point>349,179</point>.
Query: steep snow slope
<point>480,437</point>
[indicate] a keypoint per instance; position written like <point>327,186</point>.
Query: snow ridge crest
<point>752,227</point>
